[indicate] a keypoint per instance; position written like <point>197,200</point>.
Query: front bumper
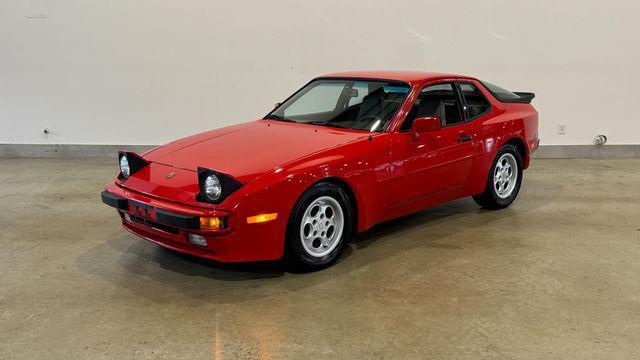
<point>146,214</point>
<point>169,224</point>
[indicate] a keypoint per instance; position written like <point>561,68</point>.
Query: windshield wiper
<point>324,123</point>
<point>319,123</point>
<point>277,117</point>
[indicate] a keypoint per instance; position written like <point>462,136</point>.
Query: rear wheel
<point>505,178</point>
<point>319,227</point>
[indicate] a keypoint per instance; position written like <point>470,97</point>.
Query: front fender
<point>362,166</point>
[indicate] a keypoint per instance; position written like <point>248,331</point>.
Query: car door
<point>436,161</point>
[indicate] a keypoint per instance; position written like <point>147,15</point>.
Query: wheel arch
<point>522,149</point>
<point>480,171</point>
<point>351,195</point>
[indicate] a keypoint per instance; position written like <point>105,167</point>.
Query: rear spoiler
<point>524,97</point>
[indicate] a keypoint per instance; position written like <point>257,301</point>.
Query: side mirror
<point>426,124</point>
<point>277,105</point>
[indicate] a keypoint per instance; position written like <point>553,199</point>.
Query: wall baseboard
<point>586,151</point>
<point>101,151</point>
<point>66,151</point>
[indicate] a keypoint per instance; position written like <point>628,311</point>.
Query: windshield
<point>352,104</point>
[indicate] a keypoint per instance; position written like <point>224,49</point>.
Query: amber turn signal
<point>261,218</point>
<point>211,223</point>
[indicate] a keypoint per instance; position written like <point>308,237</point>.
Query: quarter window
<point>475,104</point>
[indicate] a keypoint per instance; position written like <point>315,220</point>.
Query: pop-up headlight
<point>215,186</point>
<point>129,164</point>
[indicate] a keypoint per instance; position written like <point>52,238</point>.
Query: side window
<point>438,100</point>
<point>475,103</point>
<point>321,98</point>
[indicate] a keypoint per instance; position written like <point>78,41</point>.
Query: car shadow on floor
<point>141,262</point>
<point>388,231</point>
<point>192,265</point>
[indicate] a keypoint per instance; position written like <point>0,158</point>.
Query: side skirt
<point>423,202</point>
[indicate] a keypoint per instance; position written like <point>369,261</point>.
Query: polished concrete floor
<point>556,276</point>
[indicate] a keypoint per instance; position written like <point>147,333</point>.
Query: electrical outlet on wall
<point>562,129</point>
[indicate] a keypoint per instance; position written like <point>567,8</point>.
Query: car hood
<point>248,150</point>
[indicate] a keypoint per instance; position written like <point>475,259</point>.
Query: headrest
<point>430,106</point>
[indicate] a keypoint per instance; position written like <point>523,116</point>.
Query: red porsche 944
<point>345,152</point>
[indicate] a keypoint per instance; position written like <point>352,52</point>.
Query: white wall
<point>149,71</point>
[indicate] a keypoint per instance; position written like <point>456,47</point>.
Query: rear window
<point>500,93</point>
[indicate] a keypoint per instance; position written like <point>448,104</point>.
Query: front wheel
<point>505,178</point>
<point>319,227</point>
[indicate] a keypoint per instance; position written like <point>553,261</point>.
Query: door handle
<point>465,138</point>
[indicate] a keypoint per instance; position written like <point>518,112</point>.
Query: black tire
<point>489,198</point>
<point>295,253</point>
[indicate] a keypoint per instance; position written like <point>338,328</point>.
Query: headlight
<point>129,163</point>
<point>212,187</point>
<point>125,170</point>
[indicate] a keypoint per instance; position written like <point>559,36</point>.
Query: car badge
<point>170,175</point>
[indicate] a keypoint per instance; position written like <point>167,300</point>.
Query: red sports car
<point>345,152</point>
